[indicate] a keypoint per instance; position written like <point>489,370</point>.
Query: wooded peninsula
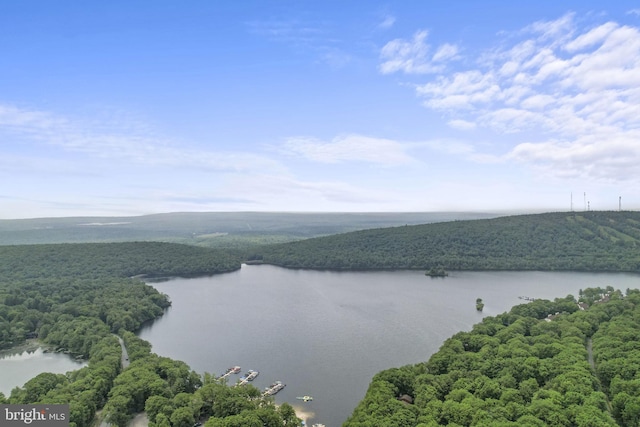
<point>542,363</point>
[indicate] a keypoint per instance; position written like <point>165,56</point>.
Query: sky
<point>120,107</point>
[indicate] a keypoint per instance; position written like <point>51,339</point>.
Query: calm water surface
<point>326,334</point>
<point>18,367</point>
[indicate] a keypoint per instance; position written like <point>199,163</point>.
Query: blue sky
<point>135,107</point>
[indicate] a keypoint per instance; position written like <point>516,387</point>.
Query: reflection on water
<point>19,366</point>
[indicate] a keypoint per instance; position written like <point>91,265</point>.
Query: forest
<point>76,297</point>
<point>573,241</point>
<point>544,363</point>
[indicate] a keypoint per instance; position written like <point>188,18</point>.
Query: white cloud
<point>596,35</point>
<point>122,142</point>
<point>387,22</point>
<point>573,93</point>
<point>357,148</point>
<point>617,159</point>
<point>554,32</point>
<point>412,57</point>
<point>446,52</point>
<point>462,124</point>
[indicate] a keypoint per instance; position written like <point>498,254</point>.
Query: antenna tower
<point>572,201</point>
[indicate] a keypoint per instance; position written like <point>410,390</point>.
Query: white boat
<point>251,374</point>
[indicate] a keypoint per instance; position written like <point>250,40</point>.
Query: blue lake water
<point>326,334</point>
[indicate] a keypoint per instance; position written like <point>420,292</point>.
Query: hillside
<point>124,259</point>
<point>588,241</point>
<point>92,279</point>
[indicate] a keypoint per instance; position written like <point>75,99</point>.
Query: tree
<point>182,417</point>
<point>288,415</point>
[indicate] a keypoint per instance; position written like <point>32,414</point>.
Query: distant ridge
<point>215,229</point>
<point>577,241</point>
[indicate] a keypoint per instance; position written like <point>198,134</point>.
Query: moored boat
<point>273,388</point>
<point>251,375</point>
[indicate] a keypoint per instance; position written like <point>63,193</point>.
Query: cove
<point>19,366</point>
<point>326,334</point>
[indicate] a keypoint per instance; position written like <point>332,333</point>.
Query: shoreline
<point>29,346</point>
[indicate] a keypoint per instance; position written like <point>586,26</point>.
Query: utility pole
<point>619,203</point>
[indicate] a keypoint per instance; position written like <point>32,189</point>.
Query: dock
<point>273,388</point>
<point>233,370</point>
<point>250,376</point>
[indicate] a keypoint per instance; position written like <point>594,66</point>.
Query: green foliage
<point>73,297</point>
<point>588,241</point>
<point>99,260</point>
<point>522,368</point>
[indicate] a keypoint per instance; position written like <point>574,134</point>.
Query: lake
<point>326,334</point>
<point>19,366</point>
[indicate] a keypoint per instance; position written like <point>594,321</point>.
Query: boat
<point>250,376</point>
<point>305,398</point>
<point>273,388</point>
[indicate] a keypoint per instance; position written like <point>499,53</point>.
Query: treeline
<point>587,241</point>
<point>92,260</point>
<point>85,390</point>
<point>45,285</point>
<point>532,366</point>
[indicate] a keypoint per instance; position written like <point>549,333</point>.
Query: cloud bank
<point>572,93</point>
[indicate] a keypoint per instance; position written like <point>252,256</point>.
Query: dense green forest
<point>587,241</point>
<point>545,363</point>
<point>74,297</point>
<point>154,259</point>
<point>41,284</point>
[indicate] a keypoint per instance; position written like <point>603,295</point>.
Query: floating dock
<point>250,376</point>
<point>232,370</point>
<point>273,388</point>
